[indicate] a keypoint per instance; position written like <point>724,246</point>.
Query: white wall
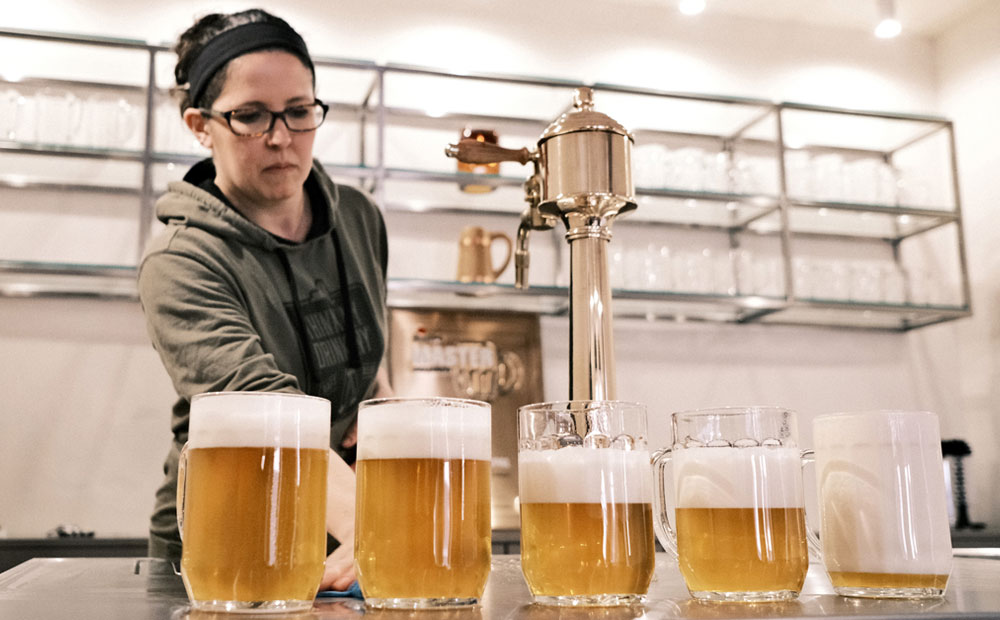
<point>84,392</point>
<point>968,68</point>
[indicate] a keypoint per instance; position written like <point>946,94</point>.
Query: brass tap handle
<point>475,152</point>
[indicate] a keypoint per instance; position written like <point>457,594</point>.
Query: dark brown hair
<point>193,41</point>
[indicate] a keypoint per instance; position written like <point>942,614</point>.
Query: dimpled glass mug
<point>251,501</point>
<point>423,537</point>
<point>585,485</point>
<point>883,504</point>
<point>740,531</point>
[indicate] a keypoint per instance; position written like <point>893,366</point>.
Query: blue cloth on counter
<point>353,591</point>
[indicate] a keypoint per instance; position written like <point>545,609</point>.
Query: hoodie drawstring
<point>353,350</point>
<point>306,350</point>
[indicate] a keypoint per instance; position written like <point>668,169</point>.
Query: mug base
<point>420,603</point>
<point>911,593</point>
<point>763,596</point>
<point>590,600</point>
<point>253,607</point>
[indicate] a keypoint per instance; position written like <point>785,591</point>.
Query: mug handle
<point>661,518</point>
<point>815,547</point>
<point>506,260</point>
<point>181,488</point>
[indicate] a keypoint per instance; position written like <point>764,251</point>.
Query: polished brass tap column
<point>583,178</point>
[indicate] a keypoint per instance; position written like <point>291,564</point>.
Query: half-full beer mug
<point>422,534</point>
<point>475,255</point>
<point>740,529</point>
<point>251,500</point>
<point>586,494</point>
<point>883,504</point>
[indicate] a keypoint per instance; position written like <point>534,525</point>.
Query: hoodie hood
<point>188,204</point>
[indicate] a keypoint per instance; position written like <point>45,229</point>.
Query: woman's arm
<point>340,490</point>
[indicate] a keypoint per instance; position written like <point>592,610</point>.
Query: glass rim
<point>874,413</point>
<point>391,400</point>
<point>256,393</point>
<point>564,405</point>
<point>732,411</point>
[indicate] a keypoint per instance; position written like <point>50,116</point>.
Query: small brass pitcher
<point>475,256</point>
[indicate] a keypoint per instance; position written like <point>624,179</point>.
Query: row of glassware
<point>824,177</point>
<point>593,495</point>
<point>58,117</point>
<point>709,271</point>
<point>54,116</point>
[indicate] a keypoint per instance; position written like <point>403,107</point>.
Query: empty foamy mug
<point>883,504</point>
<point>740,531</point>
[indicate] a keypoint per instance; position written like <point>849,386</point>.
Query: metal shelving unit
<point>377,108</point>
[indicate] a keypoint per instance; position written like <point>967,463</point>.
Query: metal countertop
<point>146,589</point>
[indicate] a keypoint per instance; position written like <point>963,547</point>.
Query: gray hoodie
<point>230,306</point>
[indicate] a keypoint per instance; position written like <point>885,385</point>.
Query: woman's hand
<point>339,573</point>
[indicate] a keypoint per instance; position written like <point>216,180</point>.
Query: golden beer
<point>251,500</point>
<point>888,580</point>
<point>254,531</point>
<point>423,536</point>
<point>426,531</point>
<point>581,549</point>
<point>742,549</point>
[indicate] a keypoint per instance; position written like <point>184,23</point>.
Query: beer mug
<point>422,534</point>
<point>489,136</point>
<point>740,532</point>
<point>883,504</point>
<point>475,255</point>
<point>251,500</point>
<point>585,486</point>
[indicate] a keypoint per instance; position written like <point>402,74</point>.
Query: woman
<point>268,276</point>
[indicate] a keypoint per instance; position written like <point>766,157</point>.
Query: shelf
<point>864,220</point>
<point>35,279</point>
<point>393,122</point>
<point>69,150</point>
<point>680,307</point>
<point>20,182</point>
<point>887,317</point>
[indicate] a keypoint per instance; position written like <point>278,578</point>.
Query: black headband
<point>236,42</point>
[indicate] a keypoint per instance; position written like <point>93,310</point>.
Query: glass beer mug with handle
<point>422,537</point>
<point>251,500</point>
<point>883,504</point>
<point>740,532</point>
<point>585,486</point>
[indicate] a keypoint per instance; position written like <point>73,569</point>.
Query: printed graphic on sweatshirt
<point>327,341</point>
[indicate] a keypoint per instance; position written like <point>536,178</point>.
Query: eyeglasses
<point>254,122</point>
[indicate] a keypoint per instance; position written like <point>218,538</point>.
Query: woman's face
<point>264,170</point>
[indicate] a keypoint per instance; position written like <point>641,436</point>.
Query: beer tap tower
<point>583,178</point>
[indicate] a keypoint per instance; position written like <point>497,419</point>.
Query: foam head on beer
<point>429,428</point>
<point>729,477</point>
<point>577,474</point>
<point>251,419</point>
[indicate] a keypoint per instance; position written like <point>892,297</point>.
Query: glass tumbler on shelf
<point>586,502</point>
<point>423,538</point>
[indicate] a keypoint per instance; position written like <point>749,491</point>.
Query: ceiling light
<point>691,7</point>
<point>888,26</point>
